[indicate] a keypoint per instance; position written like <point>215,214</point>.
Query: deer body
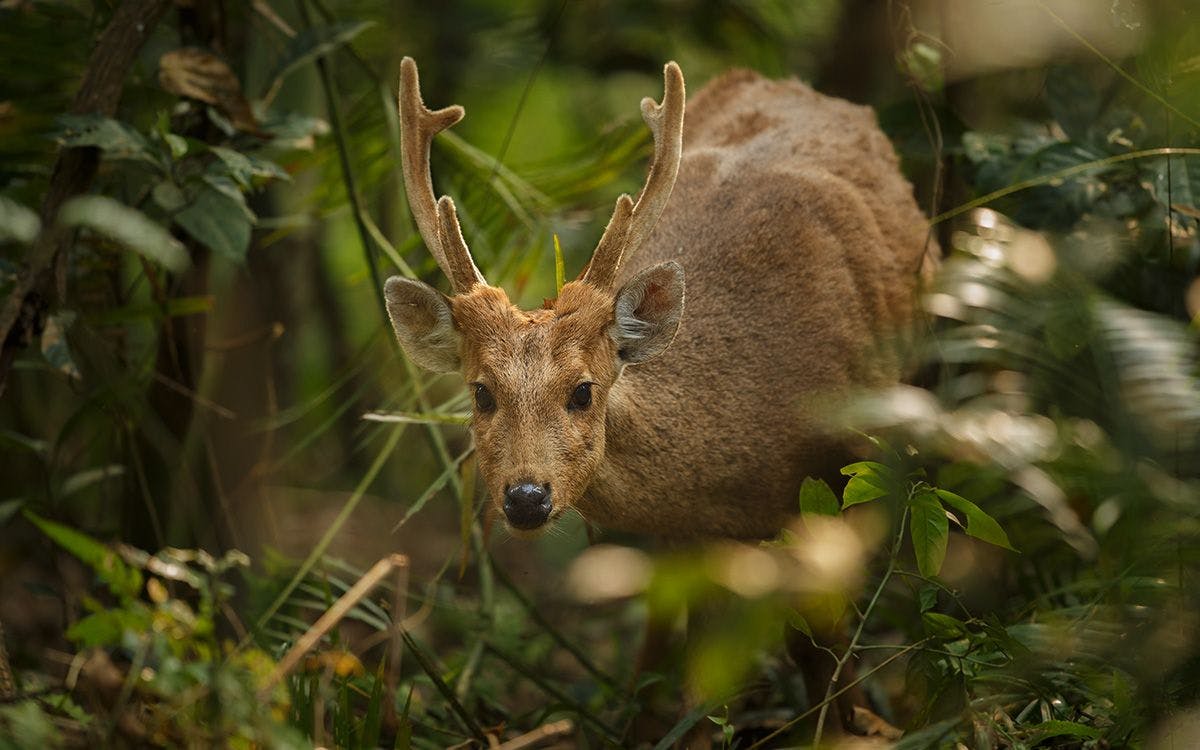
<point>800,243</point>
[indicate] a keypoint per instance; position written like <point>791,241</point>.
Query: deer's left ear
<point>647,313</point>
<point>422,320</point>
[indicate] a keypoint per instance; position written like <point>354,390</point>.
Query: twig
<point>332,617</point>
<point>862,623</point>
<point>793,722</point>
<point>551,731</point>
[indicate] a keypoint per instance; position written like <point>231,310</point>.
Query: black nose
<point>527,505</point>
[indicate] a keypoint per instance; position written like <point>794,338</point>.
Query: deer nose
<point>527,505</point>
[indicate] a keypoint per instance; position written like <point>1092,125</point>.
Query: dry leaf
<point>205,77</point>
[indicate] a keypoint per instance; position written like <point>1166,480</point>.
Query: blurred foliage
<point>1014,567</point>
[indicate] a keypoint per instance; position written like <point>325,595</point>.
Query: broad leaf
<point>121,579</point>
<point>247,171</point>
<point>218,218</point>
<point>118,140</point>
<point>979,524</point>
<point>1048,729</point>
<point>126,226</point>
<point>869,480</point>
<point>816,498</point>
<point>930,531</point>
<point>943,626</point>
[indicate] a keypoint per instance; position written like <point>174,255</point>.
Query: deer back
<point>802,247</point>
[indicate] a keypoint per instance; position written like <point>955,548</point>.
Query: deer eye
<point>581,397</point>
<point>484,401</point>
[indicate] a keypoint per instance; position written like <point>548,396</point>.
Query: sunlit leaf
<point>126,226</point>
<point>979,524</point>
<point>930,532</point>
<point>869,480</point>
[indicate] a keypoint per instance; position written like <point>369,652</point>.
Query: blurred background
<point>204,363</point>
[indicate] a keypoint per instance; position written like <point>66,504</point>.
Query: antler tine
<point>631,224</point>
<point>438,225</point>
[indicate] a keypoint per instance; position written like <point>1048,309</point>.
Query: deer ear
<point>424,327</point>
<point>647,312</point>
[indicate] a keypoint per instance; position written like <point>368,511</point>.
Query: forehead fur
<point>494,330</point>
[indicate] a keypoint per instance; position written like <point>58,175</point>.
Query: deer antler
<point>631,223</point>
<point>436,219</point>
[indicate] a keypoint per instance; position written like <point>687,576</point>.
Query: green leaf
<point>247,171</point>
<point>943,626</point>
<point>18,223</point>
<point>817,499</point>
<point>121,579</point>
<point>927,597</point>
<point>979,524</point>
<point>930,531</point>
<point>106,627</point>
<point>218,218</point>
<point>797,621</point>
<point>1069,728</point>
<point>314,42</point>
<point>169,196</point>
<point>126,226</point>
<point>118,140</point>
<point>869,480</point>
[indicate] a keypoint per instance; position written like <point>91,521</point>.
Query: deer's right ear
<point>424,327</point>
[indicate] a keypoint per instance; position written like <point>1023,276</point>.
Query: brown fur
<point>800,243</point>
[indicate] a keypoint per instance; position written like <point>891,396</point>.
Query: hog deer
<point>800,242</point>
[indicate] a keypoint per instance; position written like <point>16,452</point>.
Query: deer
<point>784,215</point>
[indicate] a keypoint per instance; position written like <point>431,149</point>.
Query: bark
<point>22,316</point>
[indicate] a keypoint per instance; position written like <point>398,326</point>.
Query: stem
<point>862,623</point>
<point>793,722</point>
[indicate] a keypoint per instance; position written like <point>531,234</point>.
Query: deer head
<point>540,379</point>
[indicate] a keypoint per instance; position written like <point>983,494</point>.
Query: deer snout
<point>527,505</point>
